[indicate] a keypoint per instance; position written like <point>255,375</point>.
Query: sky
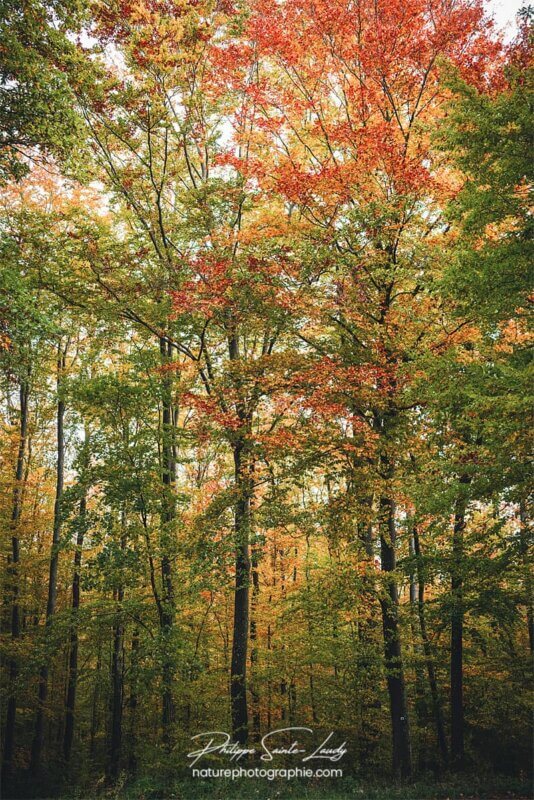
<point>504,12</point>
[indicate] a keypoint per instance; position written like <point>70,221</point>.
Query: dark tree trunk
<point>402,758</point>
<point>431,672</point>
<point>38,737</point>
<point>419,692</point>
<point>238,669</point>
<point>132,756</point>
<point>116,690</point>
<point>525,534</point>
<point>283,682</point>
<point>73,651</point>
<point>256,721</point>
<point>11,710</point>
<point>117,670</point>
<point>94,705</point>
<point>457,622</point>
<point>309,626</point>
<point>167,516</point>
<point>242,522</point>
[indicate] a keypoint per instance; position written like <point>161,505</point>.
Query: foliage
<point>265,389</point>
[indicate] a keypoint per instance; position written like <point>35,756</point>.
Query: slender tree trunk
<point>11,710</point>
<point>117,671</point>
<point>431,672</point>
<point>73,650</point>
<point>419,692</point>
<point>525,534</point>
<point>238,669</point>
<point>167,517</point>
<point>242,523</point>
<point>457,622</point>
<point>116,690</point>
<point>94,705</point>
<point>283,682</point>
<point>309,626</point>
<point>254,649</point>
<point>270,637</point>
<point>402,757</point>
<point>132,756</point>
<point>38,737</point>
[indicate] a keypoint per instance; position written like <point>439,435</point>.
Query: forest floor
<point>473,788</point>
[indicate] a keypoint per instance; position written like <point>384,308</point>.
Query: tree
<point>488,133</point>
<point>37,116</point>
<point>353,157</point>
<point>27,329</point>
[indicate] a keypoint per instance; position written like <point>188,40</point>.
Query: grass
<point>472,787</point>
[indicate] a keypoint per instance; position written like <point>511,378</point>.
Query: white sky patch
<point>504,13</point>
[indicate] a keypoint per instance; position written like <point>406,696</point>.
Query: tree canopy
<point>265,386</point>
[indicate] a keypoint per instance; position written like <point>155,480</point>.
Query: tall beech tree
<point>353,156</point>
<point>163,162</point>
<point>29,327</point>
<point>37,744</point>
<point>496,242</point>
<point>14,559</point>
<point>80,525</point>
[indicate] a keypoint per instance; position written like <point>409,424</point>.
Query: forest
<point>265,399</point>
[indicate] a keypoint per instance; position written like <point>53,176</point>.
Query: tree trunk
<point>116,690</point>
<point>402,758</point>
<point>73,651</point>
<point>525,538</point>
<point>242,523</point>
<point>420,705</point>
<point>256,721</point>
<point>431,672</point>
<point>38,737</point>
<point>167,516</point>
<point>117,670</point>
<point>132,756</point>
<point>94,705</point>
<point>11,710</point>
<point>309,626</point>
<point>238,669</point>
<point>457,622</point>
